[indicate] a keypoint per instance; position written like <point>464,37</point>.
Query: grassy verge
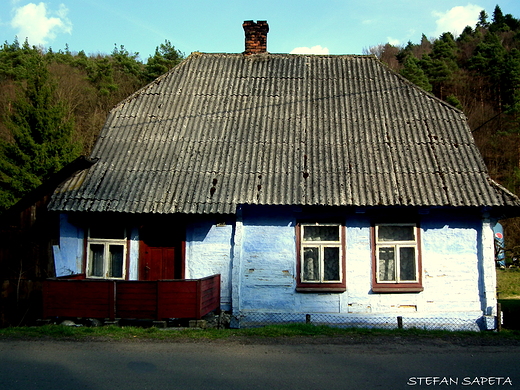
<point>508,283</point>
<point>59,332</point>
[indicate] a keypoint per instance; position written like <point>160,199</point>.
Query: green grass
<point>59,332</point>
<point>508,283</point>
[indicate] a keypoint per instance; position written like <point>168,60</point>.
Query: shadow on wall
<point>200,231</point>
<point>20,302</point>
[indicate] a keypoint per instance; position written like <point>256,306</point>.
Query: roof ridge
<point>198,53</point>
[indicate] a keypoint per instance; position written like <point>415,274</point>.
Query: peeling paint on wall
<point>68,255</point>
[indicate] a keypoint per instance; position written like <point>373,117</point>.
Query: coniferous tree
<point>498,22</point>
<point>41,132</point>
<point>482,19</point>
<point>165,58</point>
<point>511,88</point>
<point>440,64</point>
<point>413,72</point>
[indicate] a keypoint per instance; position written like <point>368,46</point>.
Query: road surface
<point>238,365</point>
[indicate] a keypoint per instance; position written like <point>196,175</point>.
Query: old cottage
<point>326,186</point>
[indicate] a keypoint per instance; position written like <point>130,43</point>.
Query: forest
<point>53,104</point>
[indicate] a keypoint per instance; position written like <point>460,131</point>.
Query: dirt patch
<point>408,340</point>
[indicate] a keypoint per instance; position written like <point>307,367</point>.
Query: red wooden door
<point>158,263</point>
<point>161,253</point>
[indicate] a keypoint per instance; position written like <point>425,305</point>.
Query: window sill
<point>397,289</point>
<point>321,288</point>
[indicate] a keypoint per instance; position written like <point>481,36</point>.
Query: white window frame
<point>106,242</point>
<point>321,245</point>
<point>397,245</point>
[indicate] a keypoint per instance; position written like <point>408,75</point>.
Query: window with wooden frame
<point>106,252</point>
<point>396,265</point>
<point>321,257</point>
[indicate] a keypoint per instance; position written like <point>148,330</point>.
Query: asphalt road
<point>230,365</point>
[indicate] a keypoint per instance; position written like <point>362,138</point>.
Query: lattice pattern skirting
<point>250,320</point>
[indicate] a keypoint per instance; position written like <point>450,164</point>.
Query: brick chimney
<point>256,36</point>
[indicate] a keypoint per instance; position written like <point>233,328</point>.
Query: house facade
<point>353,266</point>
<point>322,187</point>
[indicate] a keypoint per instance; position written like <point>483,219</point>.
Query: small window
<point>396,264</point>
<point>106,253</point>
<point>320,257</point>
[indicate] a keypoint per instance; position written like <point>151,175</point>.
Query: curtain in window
<point>97,254</point>
<point>311,265</point>
<point>116,261</point>
<point>331,263</point>
<point>407,270</point>
<point>386,264</point>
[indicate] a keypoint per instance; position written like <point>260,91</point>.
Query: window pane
<point>396,233</point>
<point>321,233</point>
<point>116,261</point>
<point>311,268</point>
<point>96,260</point>
<point>407,264</point>
<point>331,263</point>
<point>386,264</point>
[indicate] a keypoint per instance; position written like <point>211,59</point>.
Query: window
<point>396,259</point>
<point>106,252</point>
<point>320,257</point>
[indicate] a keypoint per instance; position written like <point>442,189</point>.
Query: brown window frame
<point>320,286</point>
<point>397,286</point>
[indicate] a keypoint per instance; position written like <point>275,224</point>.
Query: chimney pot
<point>256,36</point>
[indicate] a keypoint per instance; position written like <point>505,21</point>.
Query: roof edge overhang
<point>497,212</point>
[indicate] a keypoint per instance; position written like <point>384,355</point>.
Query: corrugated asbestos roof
<point>221,130</point>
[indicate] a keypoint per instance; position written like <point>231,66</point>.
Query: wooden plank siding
<point>136,299</point>
<point>112,299</point>
<point>178,297</point>
<point>78,298</point>
<point>210,294</point>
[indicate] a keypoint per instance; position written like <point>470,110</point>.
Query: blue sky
<point>326,26</point>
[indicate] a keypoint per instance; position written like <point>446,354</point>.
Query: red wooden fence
<point>87,298</point>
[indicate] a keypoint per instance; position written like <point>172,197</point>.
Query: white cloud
<point>38,25</point>
<point>310,50</point>
<point>456,19</point>
<point>393,41</point>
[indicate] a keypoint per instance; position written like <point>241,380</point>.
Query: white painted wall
<point>209,252</point>
<point>457,269</point>
<point>256,257</point>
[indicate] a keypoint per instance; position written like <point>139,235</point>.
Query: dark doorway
<point>161,252</point>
